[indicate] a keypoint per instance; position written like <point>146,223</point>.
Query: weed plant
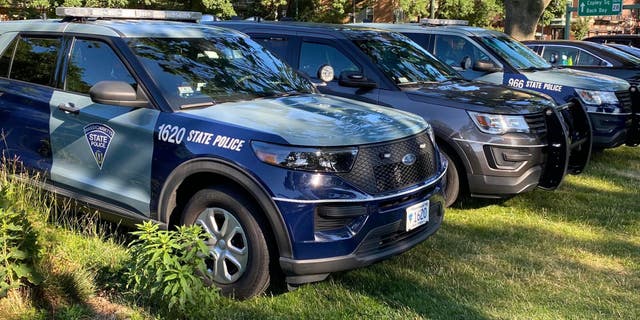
<point>18,246</point>
<point>168,271</point>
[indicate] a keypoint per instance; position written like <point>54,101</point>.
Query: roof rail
<point>114,13</point>
<point>443,22</point>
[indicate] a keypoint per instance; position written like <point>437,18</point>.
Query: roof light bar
<point>126,13</point>
<point>444,22</point>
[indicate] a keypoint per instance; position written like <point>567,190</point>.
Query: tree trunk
<point>521,17</point>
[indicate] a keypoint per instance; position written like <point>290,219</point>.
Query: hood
<point>317,120</point>
<point>578,79</point>
<point>480,97</point>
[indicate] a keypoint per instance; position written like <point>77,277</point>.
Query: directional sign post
<point>599,7</point>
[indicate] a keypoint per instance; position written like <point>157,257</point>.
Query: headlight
<point>498,123</point>
<point>307,159</point>
<point>431,134</point>
<point>597,97</point>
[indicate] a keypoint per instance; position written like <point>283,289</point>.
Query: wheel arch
<point>458,157</point>
<point>199,173</point>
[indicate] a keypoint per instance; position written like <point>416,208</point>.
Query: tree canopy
<point>520,16</point>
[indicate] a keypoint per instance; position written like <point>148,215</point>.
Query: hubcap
<point>228,251</point>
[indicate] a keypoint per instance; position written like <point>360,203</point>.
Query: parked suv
<point>499,141</point>
<point>596,58</point>
<point>181,123</point>
<point>492,56</point>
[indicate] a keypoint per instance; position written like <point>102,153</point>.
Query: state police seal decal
<point>99,137</point>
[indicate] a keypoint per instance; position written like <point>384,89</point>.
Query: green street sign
<point>599,7</point>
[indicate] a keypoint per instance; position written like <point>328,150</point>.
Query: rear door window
<point>34,60</point>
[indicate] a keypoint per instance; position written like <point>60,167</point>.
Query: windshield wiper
<point>197,105</point>
<point>534,69</point>
<point>283,94</point>
<point>413,83</point>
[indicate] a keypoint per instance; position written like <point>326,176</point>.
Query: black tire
<point>255,277</point>
<point>452,189</point>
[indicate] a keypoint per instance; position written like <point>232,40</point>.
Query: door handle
<point>68,107</point>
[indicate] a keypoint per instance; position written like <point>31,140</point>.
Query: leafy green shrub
<point>168,271</point>
<point>18,247</point>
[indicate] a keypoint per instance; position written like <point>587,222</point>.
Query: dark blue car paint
<point>27,138</point>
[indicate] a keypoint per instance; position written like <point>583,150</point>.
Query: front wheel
<point>452,189</point>
<point>238,260</point>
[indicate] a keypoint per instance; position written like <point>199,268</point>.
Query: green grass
<point>569,254</point>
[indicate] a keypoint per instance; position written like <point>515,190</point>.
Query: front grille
<point>537,125</point>
<point>374,173</point>
<point>625,100</point>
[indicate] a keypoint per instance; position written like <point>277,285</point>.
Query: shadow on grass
<point>469,272</point>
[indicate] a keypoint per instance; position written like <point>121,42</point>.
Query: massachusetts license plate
<point>417,215</point>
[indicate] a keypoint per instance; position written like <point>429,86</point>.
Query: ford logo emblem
<point>409,159</point>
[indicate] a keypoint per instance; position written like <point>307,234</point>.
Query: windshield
<point>628,49</point>
<point>195,72</point>
<point>402,60</point>
<point>627,59</point>
<point>515,53</point>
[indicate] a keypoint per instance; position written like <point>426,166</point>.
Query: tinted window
<point>514,53</point>
<point>277,45</point>
<point>91,62</point>
<point>452,49</point>
<point>35,60</point>
<point>315,55</point>
<point>587,59</point>
<point>5,60</point>
<point>419,38</point>
<point>402,60</point>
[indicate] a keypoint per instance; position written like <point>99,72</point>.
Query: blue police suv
<point>181,123</point>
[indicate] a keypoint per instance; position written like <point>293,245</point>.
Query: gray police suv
<point>499,141</point>
<point>492,56</point>
<point>181,123</point>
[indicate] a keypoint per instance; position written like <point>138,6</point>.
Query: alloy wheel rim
<point>228,249</point>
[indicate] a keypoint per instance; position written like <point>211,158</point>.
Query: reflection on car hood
<point>317,120</point>
<point>578,79</point>
<point>480,97</point>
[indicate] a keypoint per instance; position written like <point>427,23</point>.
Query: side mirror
<point>117,93</point>
<point>486,66</point>
<point>465,63</point>
<point>355,79</point>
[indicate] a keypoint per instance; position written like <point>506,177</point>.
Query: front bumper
<point>334,235</point>
<point>610,130</point>
<point>503,170</point>
<point>506,165</point>
<point>384,239</point>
